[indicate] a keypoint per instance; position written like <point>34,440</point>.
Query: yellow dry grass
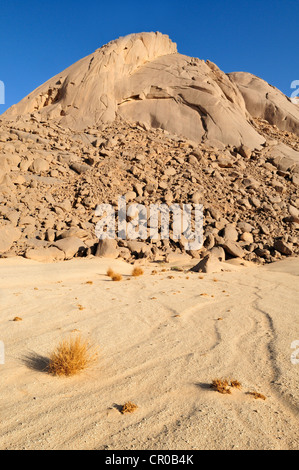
<point>114,276</point>
<point>129,407</point>
<point>257,395</point>
<point>235,384</point>
<point>72,356</point>
<point>137,272</point>
<point>221,386</point>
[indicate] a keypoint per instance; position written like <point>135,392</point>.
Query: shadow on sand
<point>36,362</point>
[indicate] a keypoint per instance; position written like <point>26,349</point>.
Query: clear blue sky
<point>40,38</point>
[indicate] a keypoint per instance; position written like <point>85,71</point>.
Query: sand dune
<point>162,340</point>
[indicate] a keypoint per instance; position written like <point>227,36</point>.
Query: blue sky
<point>40,38</point>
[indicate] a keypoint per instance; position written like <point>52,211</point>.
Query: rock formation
<point>142,77</point>
<point>138,119</point>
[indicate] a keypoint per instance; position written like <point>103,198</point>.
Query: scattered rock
<point>107,249</point>
<point>8,235</point>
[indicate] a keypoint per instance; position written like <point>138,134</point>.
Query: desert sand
<point>162,339</point>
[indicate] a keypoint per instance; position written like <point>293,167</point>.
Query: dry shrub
<point>71,357</point>
<point>257,395</point>
<point>224,385</point>
<point>235,384</point>
<point>137,272</point>
<point>221,386</point>
<point>129,407</point>
<point>110,272</point>
<point>18,319</point>
<point>114,276</point>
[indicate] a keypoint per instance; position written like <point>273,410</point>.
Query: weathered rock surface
<point>45,255</point>
<point>267,102</point>
<point>107,248</point>
<point>141,77</point>
<point>209,264</point>
<point>8,235</point>
<point>70,246</point>
<point>71,151</point>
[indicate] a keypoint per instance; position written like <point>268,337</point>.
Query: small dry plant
<point>110,272</point>
<point>221,386</point>
<point>224,385</point>
<point>235,384</point>
<point>257,395</point>
<point>114,276</point>
<point>129,407</point>
<point>137,272</point>
<point>71,357</point>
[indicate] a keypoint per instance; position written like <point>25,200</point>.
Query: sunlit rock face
<point>142,77</point>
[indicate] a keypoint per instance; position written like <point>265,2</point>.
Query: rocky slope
<point>138,119</point>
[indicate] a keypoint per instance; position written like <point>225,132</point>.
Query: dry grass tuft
<point>129,407</point>
<point>71,357</point>
<point>137,272</point>
<point>235,384</point>
<point>256,395</point>
<point>224,386</point>
<point>221,386</point>
<point>114,276</point>
<point>110,272</point>
<point>18,319</point>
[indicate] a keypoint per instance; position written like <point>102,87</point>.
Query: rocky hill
<point>137,118</point>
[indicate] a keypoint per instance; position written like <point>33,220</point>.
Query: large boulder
<point>45,255</point>
<point>209,264</point>
<point>70,246</point>
<point>8,235</point>
<point>267,102</point>
<point>107,249</point>
<point>284,158</point>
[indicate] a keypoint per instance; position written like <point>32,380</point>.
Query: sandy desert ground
<point>162,340</point>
